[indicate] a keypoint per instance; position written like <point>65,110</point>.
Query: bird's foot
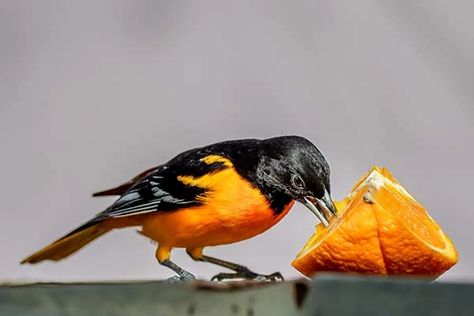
<point>185,278</point>
<point>246,274</point>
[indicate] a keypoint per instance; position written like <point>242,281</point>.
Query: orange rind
<point>380,229</point>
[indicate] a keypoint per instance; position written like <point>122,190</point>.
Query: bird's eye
<point>297,182</point>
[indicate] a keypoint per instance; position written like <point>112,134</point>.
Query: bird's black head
<point>292,167</point>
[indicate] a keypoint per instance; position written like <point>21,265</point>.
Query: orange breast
<point>233,210</point>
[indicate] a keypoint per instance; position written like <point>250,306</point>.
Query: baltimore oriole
<point>213,195</point>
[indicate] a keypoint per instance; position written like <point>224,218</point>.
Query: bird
<point>213,195</point>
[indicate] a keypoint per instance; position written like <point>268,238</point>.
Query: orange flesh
<point>380,229</point>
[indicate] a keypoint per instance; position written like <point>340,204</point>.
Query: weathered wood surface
<point>150,298</point>
<point>354,295</point>
<point>326,295</point>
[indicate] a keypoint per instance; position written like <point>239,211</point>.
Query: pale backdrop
<point>93,92</point>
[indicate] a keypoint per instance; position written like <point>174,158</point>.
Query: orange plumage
<point>234,210</point>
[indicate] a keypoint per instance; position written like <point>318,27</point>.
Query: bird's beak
<point>323,208</point>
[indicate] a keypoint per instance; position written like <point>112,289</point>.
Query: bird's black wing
<point>161,190</point>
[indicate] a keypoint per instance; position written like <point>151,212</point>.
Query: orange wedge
<point>380,229</point>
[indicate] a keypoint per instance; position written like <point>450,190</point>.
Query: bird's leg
<point>183,275</point>
<point>163,257</point>
<point>241,272</point>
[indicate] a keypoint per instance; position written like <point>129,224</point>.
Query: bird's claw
<point>274,277</point>
<point>181,279</point>
<point>246,274</point>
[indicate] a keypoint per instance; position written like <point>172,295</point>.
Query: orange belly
<point>232,210</point>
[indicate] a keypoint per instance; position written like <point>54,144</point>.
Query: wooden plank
<point>150,298</point>
<point>357,295</point>
<point>326,295</point>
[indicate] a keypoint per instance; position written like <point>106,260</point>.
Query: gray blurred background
<point>93,92</point>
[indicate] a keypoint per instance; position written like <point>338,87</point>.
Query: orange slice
<point>380,229</point>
